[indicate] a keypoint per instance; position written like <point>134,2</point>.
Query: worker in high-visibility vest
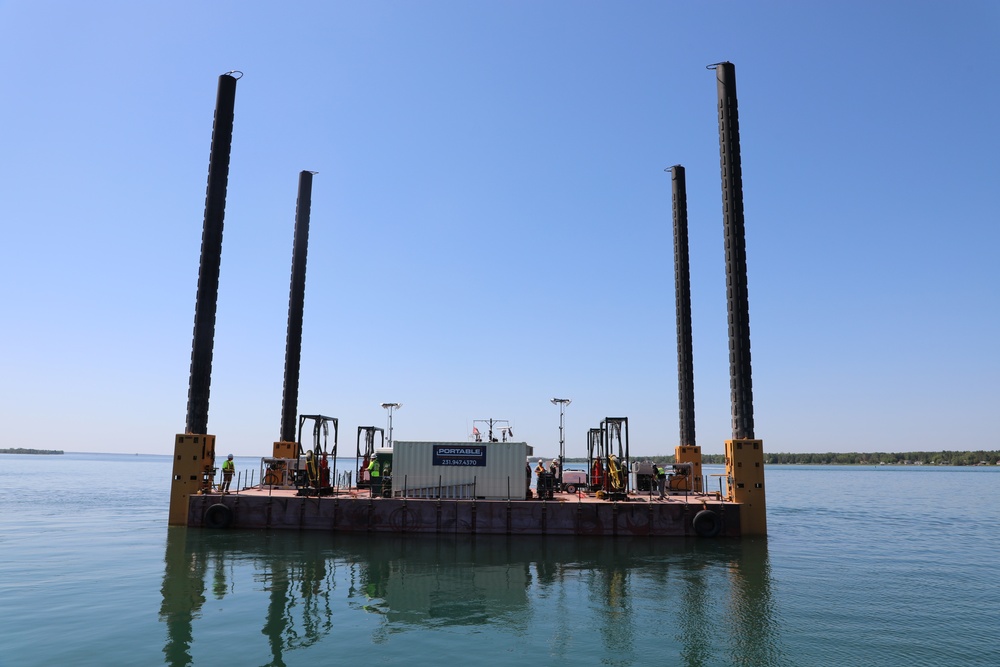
<point>373,472</point>
<point>228,468</point>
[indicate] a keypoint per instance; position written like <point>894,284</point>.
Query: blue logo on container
<point>459,455</point>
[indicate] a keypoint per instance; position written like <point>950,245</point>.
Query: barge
<point>578,514</point>
<point>482,487</point>
<point>428,493</point>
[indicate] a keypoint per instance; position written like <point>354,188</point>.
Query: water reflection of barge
<point>487,497</point>
<point>320,592</point>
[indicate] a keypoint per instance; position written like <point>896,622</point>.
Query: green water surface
<point>862,566</point>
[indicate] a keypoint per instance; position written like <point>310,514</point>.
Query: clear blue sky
<point>491,222</point>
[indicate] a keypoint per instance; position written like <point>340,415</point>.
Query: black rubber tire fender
<point>218,516</point>
<point>707,523</point>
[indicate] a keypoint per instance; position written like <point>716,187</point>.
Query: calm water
<point>863,566</point>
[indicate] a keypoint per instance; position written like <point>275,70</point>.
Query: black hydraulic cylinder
<point>296,304</point>
<point>682,288</point>
<point>211,256</point>
<point>736,254</point>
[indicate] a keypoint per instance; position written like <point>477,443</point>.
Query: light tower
<point>390,407</point>
<point>562,403</point>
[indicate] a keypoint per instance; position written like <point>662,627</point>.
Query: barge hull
<point>674,517</point>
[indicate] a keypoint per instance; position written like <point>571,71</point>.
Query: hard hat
<point>230,456</point>
<point>539,460</point>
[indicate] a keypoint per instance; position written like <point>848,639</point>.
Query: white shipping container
<point>489,470</point>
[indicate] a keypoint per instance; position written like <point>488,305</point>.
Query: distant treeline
<point>19,450</point>
<point>942,458</point>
